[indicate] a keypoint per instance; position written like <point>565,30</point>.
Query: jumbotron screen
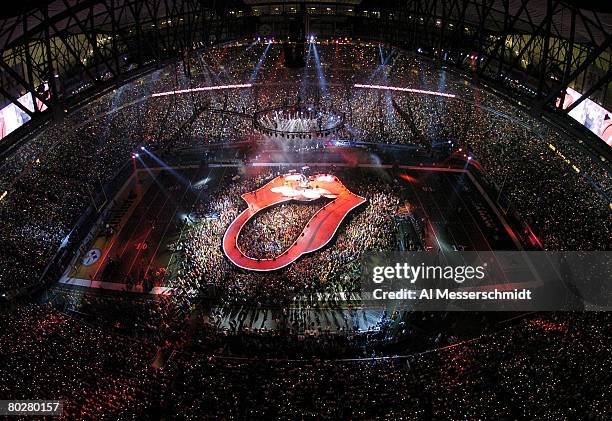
<point>12,116</point>
<point>591,115</point>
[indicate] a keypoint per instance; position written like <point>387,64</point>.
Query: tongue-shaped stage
<point>317,232</point>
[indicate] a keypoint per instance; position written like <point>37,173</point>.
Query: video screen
<point>12,117</point>
<point>591,115</point>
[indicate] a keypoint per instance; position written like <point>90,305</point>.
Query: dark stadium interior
<point>191,192</point>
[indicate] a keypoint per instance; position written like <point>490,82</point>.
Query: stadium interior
<point>189,188</point>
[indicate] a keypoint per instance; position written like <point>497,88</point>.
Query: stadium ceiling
<point>63,51</point>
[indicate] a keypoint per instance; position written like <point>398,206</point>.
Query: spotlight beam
<point>166,167</point>
<point>320,73</point>
<point>259,63</point>
<point>305,73</point>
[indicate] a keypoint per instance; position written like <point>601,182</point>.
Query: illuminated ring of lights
<point>336,120</point>
<point>400,89</point>
<point>203,89</point>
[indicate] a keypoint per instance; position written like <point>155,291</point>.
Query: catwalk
<point>317,232</point>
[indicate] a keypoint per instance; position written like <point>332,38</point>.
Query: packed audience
<point>547,367</point>
<point>53,178</point>
<point>270,233</point>
<point>333,269</point>
<point>145,358</point>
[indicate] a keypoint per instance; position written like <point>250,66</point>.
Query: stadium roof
<point>79,46</point>
<point>591,26</point>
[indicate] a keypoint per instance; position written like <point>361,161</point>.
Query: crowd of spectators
<point>333,269</point>
<point>54,177</point>
<point>270,233</point>
<point>553,366</point>
<point>513,148</point>
<point>141,364</point>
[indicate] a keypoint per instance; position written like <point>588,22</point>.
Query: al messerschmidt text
<point>445,294</point>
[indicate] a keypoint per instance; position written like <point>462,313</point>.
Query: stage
<point>455,211</point>
<point>316,234</point>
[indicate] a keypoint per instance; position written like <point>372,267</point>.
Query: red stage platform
<point>317,232</point>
